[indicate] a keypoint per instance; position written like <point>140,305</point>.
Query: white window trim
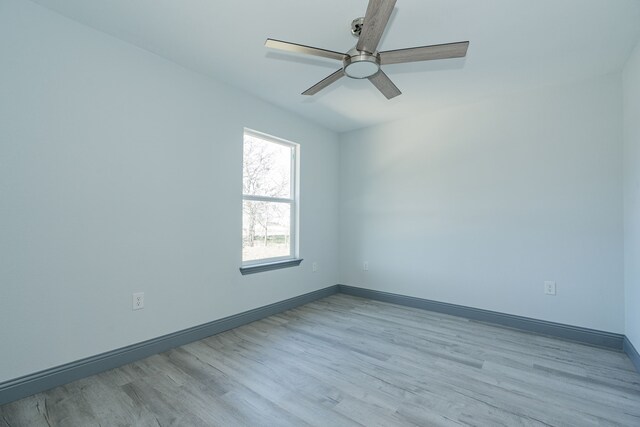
<point>292,259</point>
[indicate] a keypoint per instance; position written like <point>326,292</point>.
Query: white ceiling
<point>514,45</point>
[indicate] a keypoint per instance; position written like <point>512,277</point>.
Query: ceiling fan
<point>364,61</point>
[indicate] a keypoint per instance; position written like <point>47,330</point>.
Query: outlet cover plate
<point>549,288</point>
<point>138,301</point>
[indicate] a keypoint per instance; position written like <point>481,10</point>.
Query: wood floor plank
<point>348,361</point>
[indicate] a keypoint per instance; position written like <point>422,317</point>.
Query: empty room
<point>330,213</point>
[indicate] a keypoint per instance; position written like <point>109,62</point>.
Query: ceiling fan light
<point>361,67</point>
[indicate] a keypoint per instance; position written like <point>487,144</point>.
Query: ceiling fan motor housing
<point>361,65</point>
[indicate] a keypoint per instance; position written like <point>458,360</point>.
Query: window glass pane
<point>265,230</point>
<point>266,168</point>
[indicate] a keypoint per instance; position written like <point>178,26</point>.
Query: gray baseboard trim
<point>40,381</point>
<point>574,333</point>
<point>632,353</point>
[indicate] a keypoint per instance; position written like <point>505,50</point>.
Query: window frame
<point>292,259</point>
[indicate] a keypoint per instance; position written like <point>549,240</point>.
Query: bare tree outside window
<point>268,200</point>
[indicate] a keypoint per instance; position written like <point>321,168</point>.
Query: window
<point>269,202</point>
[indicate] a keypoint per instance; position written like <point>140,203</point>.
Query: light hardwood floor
<point>344,361</point>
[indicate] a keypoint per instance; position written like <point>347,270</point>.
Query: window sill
<point>258,268</point>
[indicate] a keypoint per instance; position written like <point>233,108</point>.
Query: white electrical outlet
<point>138,301</point>
<point>550,288</point>
<point>314,266</point>
<point>365,266</point>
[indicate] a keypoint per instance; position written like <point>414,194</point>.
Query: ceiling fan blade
<point>384,85</point>
<point>324,82</point>
<point>424,53</point>
<point>300,48</point>
<point>375,21</point>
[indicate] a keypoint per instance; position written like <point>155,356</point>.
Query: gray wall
<point>632,196</point>
<point>121,172</point>
<point>479,205</point>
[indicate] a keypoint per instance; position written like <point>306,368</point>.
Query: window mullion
<point>266,199</point>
